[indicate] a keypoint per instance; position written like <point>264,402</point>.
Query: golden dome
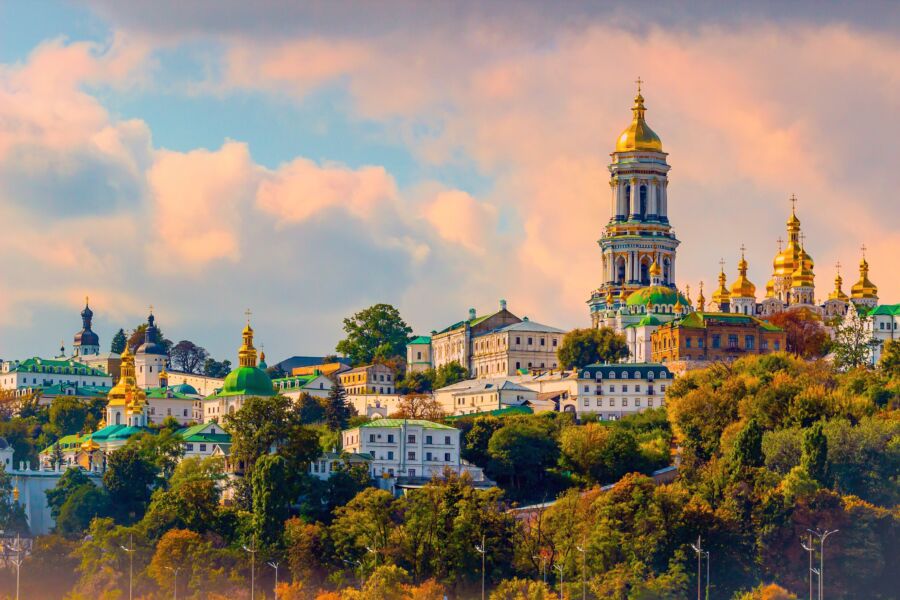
<point>803,275</point>
<point>721,295</point>
<point>743,287</point>
<point>701,301</point>
<point>638,136</point>
<point>655,269</point>
<point>864,288</point>
<point>770,288</point>
<point>609,298</point>
<point>838,293</point>
<point>126,389</point>
<point>89,445</point>
<point>679,307</point>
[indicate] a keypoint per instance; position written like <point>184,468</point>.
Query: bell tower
<point>638,232</point>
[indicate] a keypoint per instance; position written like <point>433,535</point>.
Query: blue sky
<point>307,160</point>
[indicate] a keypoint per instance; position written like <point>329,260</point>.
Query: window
<point>587,389</point>
<point>390,438</point>
<point>554,342</point>
<point>518,340</point>
<point>428,456</point>
<point>637,402</point>
<point>446,457</point>
<point>612,402</point>
<point>599,402</point>
<point>624,401</point>
<point>649,402</point>
<point>763,344</point>
<point>732,340</point>
<point>612,375</point>
<point>687,342</point>
<point>717,341</point>
<point>411,439</point>
<point>624,389</point>
<point>529,341</point>
<point>586,402</point>
<point>699,342</point>
<point>612,388</point>
<point>190,447</point>
<point>428,440</point>
<point>411,455</point>
<point>411,472</point>
<point>543,342</point>
<point>390,455</point>
<point>637,388</point>
<point>777,345</point>
<point>447,440</point>
<point>372,438</point>
<point>748,342</point>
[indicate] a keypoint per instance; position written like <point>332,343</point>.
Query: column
<point>635,197</point>
<point>651,198</point>
<point>628,267</point>
<point>612,199</point>
<point>665,200</point>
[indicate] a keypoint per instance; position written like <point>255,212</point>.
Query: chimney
<point>502,304</point>
<point>471,314</point>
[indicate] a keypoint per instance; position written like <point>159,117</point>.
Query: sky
<point>306,160</point>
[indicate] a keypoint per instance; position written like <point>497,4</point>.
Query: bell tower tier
<point>638,232</point>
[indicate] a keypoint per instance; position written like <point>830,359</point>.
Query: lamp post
<point>582,549</point>
<point>809,549</point>
<point>130,551</point>
<point>274,565</point>
<point>707,574</point>
<point>822,535</point>
<point>562,576</point>
<point>543,568</point>
<point>252,550</point>
<point>358,564</point>
<point>175,571</point>
<point>699,550</point>
<point>482,550</point>
<point>18,549</point>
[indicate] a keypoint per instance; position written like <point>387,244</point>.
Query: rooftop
<point>405,422</point>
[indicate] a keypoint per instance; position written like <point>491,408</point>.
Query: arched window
<point>645,272</point>
<point>620,270</point>
<point>643,201</point>
<point>667,269</point>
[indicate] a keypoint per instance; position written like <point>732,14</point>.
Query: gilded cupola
<point>838,293</point>
<point>743,287</point>
<point>863,288</point>
<point>638,136</point>
<point>721,295</point>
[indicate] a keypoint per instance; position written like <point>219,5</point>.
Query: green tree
<point>70,481</point>
<point>117,346</point>
<point>890,358</point>
<point>67,415</point>
<point>478,437</point>
<point>12,513</point>
<point>448,374</point>
<point>129,478</point>
<point>522,589</point>
<point>192,498</point>
<point>215,368</point>
<point>188,356</point>
<point>311,409</point>
<point>365,522</point>
<point>582,347</point>
<point>86,503</point>
<point>417,382</point>
<point>814,459</point>
<point>853,342</point>
<point>375,331</point>
<point>272,496</point>
<point>747,451</point>
<point>337,410</point>
<point>520,453</point>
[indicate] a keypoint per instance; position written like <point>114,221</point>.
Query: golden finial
<point>793,203</point>
<point>837,267</point>
<point>687,292</point>
<point>86,300</point>
<point>16,494</point>
<point>247,313</point>
<point>863,248</point>
<point>701,301</point>
<point>639,81</point>
<point>780,243</point>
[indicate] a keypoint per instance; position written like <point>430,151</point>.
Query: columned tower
<point>638,232</point>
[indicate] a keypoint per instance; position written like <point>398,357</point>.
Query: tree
<point>85,504</point>
<point>805,335</point>
<point>747,451</point>
<point>214,368</point>
<point>128,479</point>
<point>853,342</point>
<point>311,409</point>
<point>521,452</point>
<point>522,589</point>
<point>12,513</point>
<point>599,453</point>
<point>478,437</point>
<point>417,382</point>
<point>890,358</point>
<point>448,374</point>
<point>188,356</point>
<point>138,335</point>
<point>68,415</point>
<point>70,481</point>
<point>582,347</point>
<point>375,331</point>
<point>117,346</point>
<point>419,406</point>
<point>337,410</point>
<point>307,546</point>
<point>192,498</point>
<point>814,459</point>
<point>271,498</point>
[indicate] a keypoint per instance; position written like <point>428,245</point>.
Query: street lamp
<point>543,568</point>
<point>562,576</point>
<point>130,551</point>
<point>699,550</point>
<point>252,550</point>
<point>707,574</point>
<point>175,571</point>
<point>583,569</point>
<point>18,549</point>
<point>358,564</point>
<point>482,550</point>
<point>822,535</point>
<point>274,565</point>
<point>810,549</point>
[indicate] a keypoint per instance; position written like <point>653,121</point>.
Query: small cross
<point>793,202</point>
<point>151,309</point>
<point>248,313</point>
<point>863,248</point>
<point>639,81</point>
<point>722,264</point>
<point>837,266</point>
<point>780,243</point>
<point>802,239</point>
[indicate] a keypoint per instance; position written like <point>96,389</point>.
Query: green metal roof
<point>886,309</point>
<point>401,422</point>
<point>57,366</point>
<point>499,412</point>
<point>422,339</point>
<point>698,320</point>
<point>197,434</point>
<point>247,381</point>
<point>471,323</point>
<point>115,432</point>
<point>161,392</point>
<point>94,391</point>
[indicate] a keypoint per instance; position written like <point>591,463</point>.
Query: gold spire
<point>679,307</point>
<point>609,298</point>
<point>655,269</point>
<point>701,301</point>
<point>126,392</point>
<point>247,353</point>
<point>743,287</point>
<point>803,275</point>
<point>638,136</point>
<point>838,293</point>
<point>721,295</point>
<point>863,288</point>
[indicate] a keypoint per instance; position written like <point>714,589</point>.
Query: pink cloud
<point>461,219</point>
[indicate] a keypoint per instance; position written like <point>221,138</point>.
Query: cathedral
<point>638,293</point>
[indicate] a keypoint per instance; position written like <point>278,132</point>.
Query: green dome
<point>247,381</point>
<point>657,295</point>
<point>649,320</point>
<point>185,388</point>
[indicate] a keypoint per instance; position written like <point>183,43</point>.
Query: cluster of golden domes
<point>126,392</point>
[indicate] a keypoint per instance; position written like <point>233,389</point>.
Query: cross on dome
<point>639,81</point>
<point>793,202</point>
<point>863,248</point>
<point>247,313</point>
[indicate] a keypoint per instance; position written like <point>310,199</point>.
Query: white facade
<point>482,395</point>
<point>616,390</point>
<point>317,386</point>
<point>885,324</point>
<point>204,385</point>
<point>406,448</point>
<point>40,373</point>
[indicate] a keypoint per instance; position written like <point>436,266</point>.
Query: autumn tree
<point>419,406</point>
<point>853,342</point>
<point>804,332</point>
<point>582,347</point>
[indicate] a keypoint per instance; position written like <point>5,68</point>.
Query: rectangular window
<point>612,388</point>
<point>411,472</point>
<point>554,342</point>
<point>637,402</point>
<point>446,457</point>
<point>717,341</point>
<point>587,389</point>
<point>202,447</point>
<point>428,456</point>
<point>637,388</point>
<point>428,439</point>
<point>612,402</point>
<point>699,342</point>
<point>749,342</point>
<point>777,345</point>
<point>543,342</point>
<point>372,437</point>
<point>518,340</point>
<point>763,344</point>
<point>687,342</point>
<point>624,389</point>
<point>732,341</point>
<point>624,401</point>
<point>411,455</point>
<point>190,447</point>
<point>447,440</point>
<point>390,438</point>
<point>599,402</point>
<point>586,401</point>
<point>529,341</point>
<point>650,402</point>
<point>390,455</point>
